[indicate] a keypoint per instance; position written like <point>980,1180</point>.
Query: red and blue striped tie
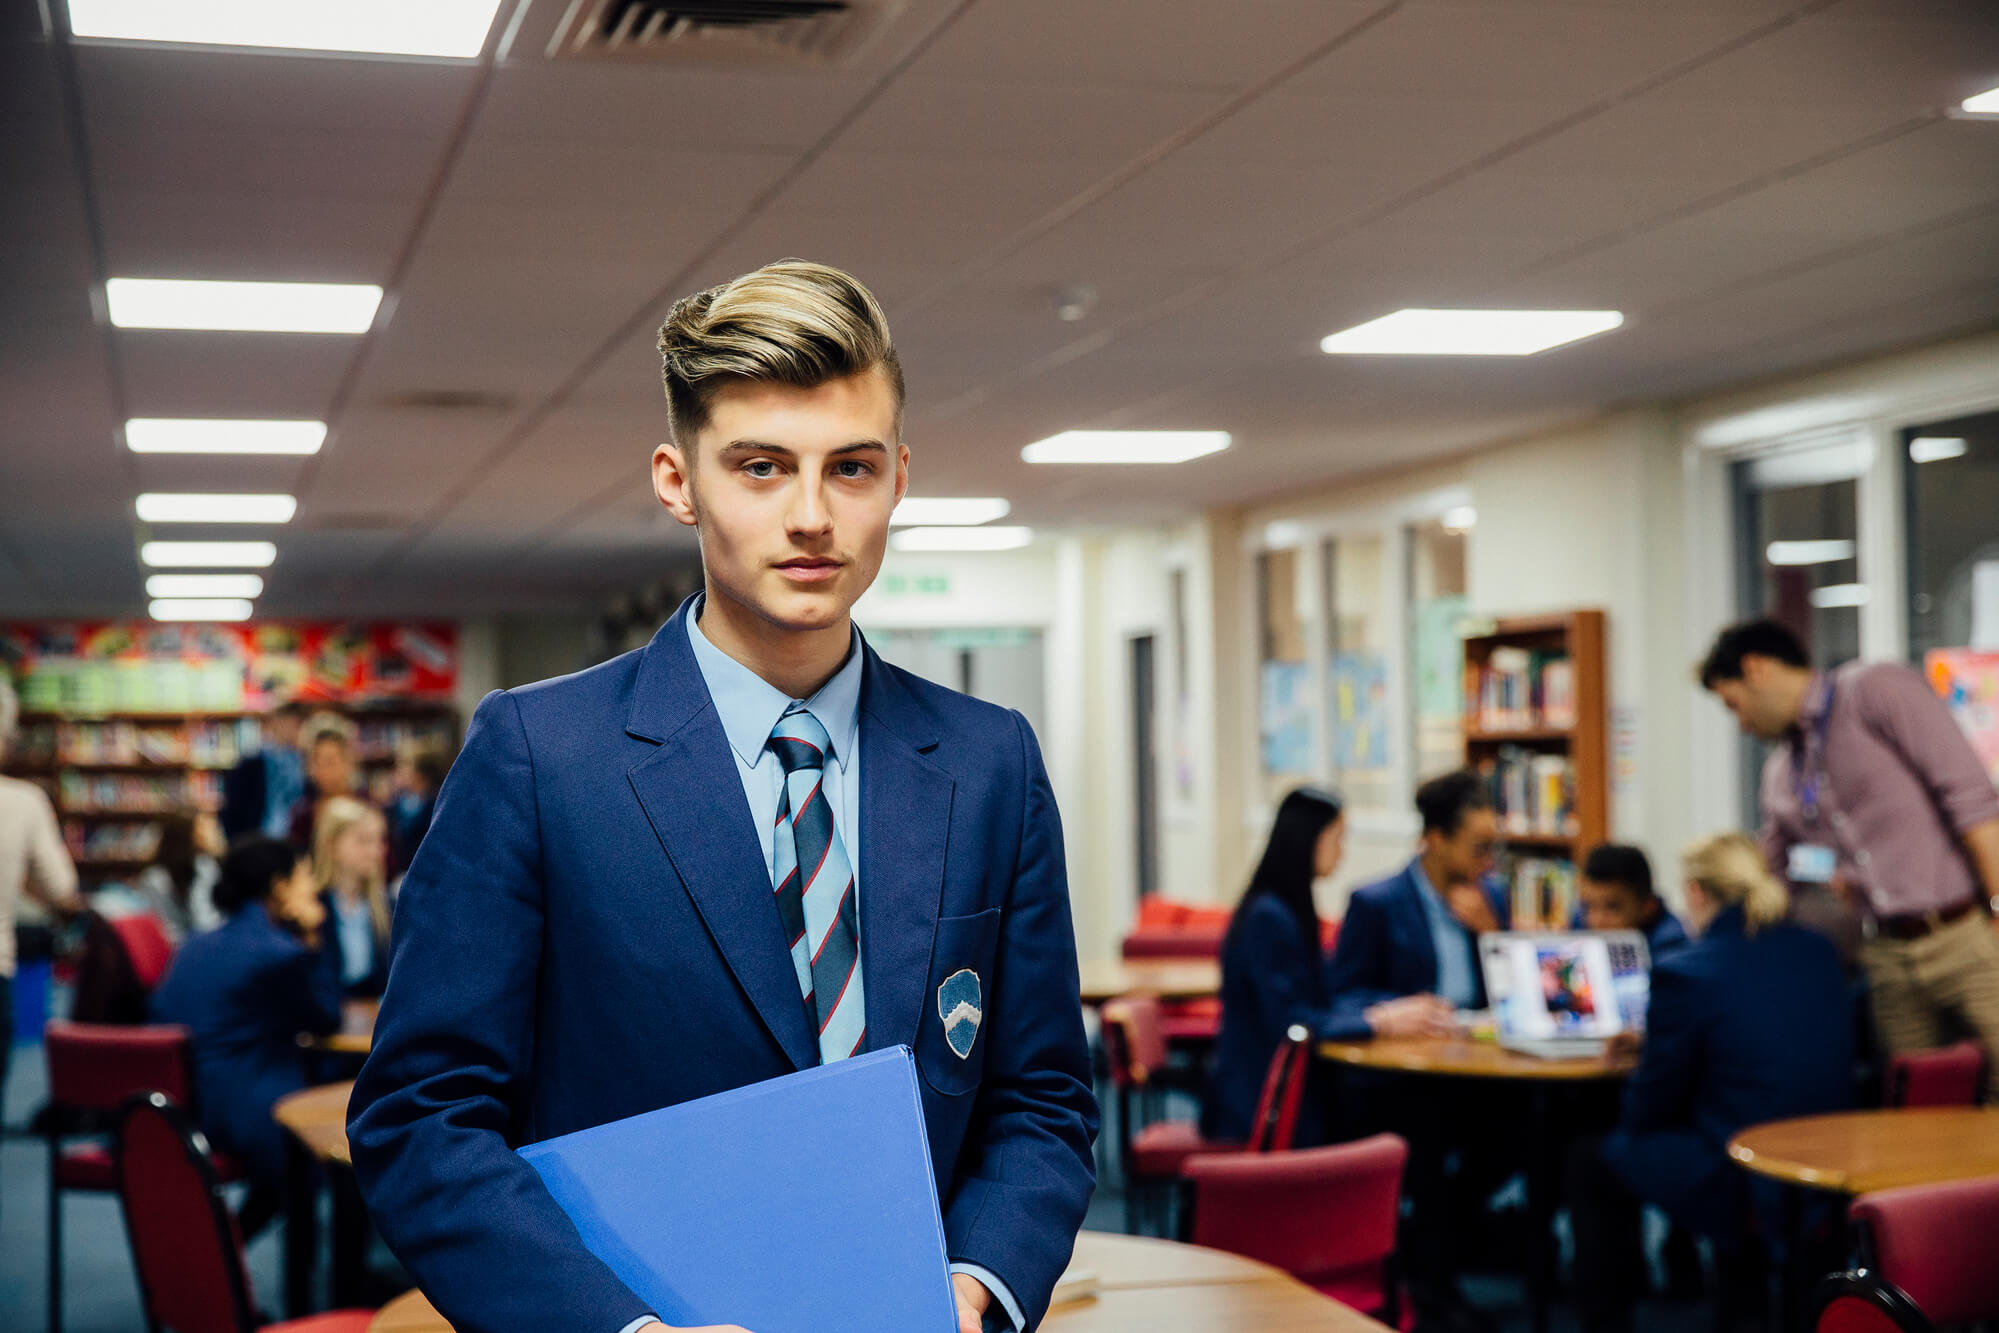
<point>815,889</point>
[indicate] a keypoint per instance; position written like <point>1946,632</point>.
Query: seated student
<point>1747,1024</point>
<point>350,864</point>
<point>246,991</point>
<point>1274,975</point>
<point>1416,932</point>
<point>1617,894</point>
<point>179,886</point>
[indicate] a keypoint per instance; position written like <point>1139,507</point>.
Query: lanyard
<point>1807,775</point>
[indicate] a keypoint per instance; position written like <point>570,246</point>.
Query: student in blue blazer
<point>246,990</point>
<point>608,914</point>
<point>1617,894</point>
<point>1274,976</point>
<point>1747,1024</point>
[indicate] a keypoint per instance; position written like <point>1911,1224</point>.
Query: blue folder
<point>799,1205</point>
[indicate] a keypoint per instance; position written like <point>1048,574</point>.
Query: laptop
<point>1565,994</point>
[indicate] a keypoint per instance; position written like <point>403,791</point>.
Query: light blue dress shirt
<point>749,707</point>
<point>355,923</point>
<point>1456,958</point>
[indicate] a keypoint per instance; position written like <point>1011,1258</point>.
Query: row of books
<point>1540,891</point>
<point>111,842</point>
<point>1517,690</point>
<point>206,744</point>
<point>81,793</point>
<point>381,739</point>
<point>1531,792</point>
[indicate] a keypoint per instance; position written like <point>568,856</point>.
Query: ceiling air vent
<point>741,32</point>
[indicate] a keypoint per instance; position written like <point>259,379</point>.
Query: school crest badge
<point>959,1004</point>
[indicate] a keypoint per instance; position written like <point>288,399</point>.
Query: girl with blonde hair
<point>350,863</point>
<point>1751,1022</point>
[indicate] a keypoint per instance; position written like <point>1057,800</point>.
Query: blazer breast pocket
<point>951,1036</point>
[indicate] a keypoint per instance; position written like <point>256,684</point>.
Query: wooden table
<point>1169,979</point>
<point>317,1121</point>
<point>1459,1057</point>
<point>1858,1152</point>
<point>1142,1283</point>
<point>357,1030</point>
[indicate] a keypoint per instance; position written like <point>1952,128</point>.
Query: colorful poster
<point>146,667</point>
<point>1437,650</point>
<point>1287,719</point>
<point>1968,682</point>
<point>1360,711</point>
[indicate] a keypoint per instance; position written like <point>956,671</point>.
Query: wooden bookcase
<point>1498,740</point>
<point>112,776</point>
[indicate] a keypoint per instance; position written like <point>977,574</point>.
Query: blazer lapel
<point>1416,921</point>
<point>905,818</point>
<point>693,795</point>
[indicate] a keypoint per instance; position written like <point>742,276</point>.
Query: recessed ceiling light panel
<point>1126,446</point>
<point>1469,332</point>
<point>945,511</point>
<point>189,435</point>
<point>962,539</point>
<point>1985,104</point>
<point>204,585</point>
<point>200,608</point>
<point>1935,448</point>
<point>449,29</point>
<point>1808,552</point>
<point>242,307</point>
<point>156,507</point>
<point>208,555</point>
<point>1838,595</point>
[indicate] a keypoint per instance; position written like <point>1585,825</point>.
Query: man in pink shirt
<point>1873,792</point>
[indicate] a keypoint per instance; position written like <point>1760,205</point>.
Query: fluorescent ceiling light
<point>204,585</point>
<point>247,307</point>
<point>1469,332</point>
<point>948,511</point>
<point>453,29</point>
<point>1839,594</point>
<point>1808,553</point>
<point>200,608</point>
<point>961,539</point>
<point>1126,446</point>
<point>208,555</point>
<point>189,435</point>
<point>1985,104</point>
<point>155,507</point>
<point>1935,448</point>
<point>1459,518</point>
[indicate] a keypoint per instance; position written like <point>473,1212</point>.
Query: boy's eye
<point>852,468</point>
<point>760,467</point>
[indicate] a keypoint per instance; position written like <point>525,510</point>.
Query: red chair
<point>147,945</point>
<point>1947,1076</point>
<point>1326,1216</point>
<point>185,1245</point>
<point>1860,1302</point>
<point>1150,1156</point>
<point>93,1070</point>
<point>1934,1243</point>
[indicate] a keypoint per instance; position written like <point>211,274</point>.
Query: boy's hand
<point>973,1298</point>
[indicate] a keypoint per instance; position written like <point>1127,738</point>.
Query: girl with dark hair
<point>246,991</point>
<point>179,886</point>
<point>1274,973</point>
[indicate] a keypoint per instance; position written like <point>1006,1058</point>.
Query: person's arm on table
<point>443,1086</point>
<point>1026,1170</point>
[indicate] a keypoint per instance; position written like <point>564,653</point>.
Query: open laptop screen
<point>1591,984</point>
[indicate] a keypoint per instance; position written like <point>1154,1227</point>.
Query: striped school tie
<point>815,889</point>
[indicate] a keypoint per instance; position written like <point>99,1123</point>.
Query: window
<point>1284,677</point>
<point>1952,473</point>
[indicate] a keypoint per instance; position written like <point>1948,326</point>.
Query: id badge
<point>1812,863</point>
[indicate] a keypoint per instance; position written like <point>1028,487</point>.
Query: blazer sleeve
<point>1660,1094</point>
<point>1358,976</point>
<point>307,988</point>
<point>1026,1171</point>
<point>435,1112</point>
<point>1279,966</point>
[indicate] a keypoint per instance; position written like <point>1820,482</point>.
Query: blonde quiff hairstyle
<point>1730,870</point>
<point>792,322</point>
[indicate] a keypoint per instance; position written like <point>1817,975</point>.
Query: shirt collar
<point>1433,902</point>
<point>750,706</point>
<point>1818,697</point>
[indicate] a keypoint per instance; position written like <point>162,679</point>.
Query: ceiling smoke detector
<point>734,32</point>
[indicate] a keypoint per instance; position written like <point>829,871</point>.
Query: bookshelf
<point>113,775</point>
<point>1536,727</point>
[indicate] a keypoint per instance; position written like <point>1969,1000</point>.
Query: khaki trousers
<point>1948,979</point>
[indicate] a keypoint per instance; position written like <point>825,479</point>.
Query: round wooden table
<point>1169,979</point>
<point>1858,1152</point>
<point>1460,1057</point>
<point>357,1030</point>
<point>1141,1283</point>
<point>1464,1058</point>
<point>317,1121</point>
<point>317,1117</point>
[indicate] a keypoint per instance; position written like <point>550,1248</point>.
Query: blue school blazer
<point>1385,949</point>
<point>588,933</point>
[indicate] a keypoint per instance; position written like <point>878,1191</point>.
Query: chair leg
<point>55,1237</point>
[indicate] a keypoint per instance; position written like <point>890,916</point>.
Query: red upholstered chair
<point>185,1245</point>
<point>93,1069</point>
<point>1934,1243</point>
<point>1860,1302</point>
<point>1947,1076</point>
<point>147,945</point>
<point>1324,1215</point>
